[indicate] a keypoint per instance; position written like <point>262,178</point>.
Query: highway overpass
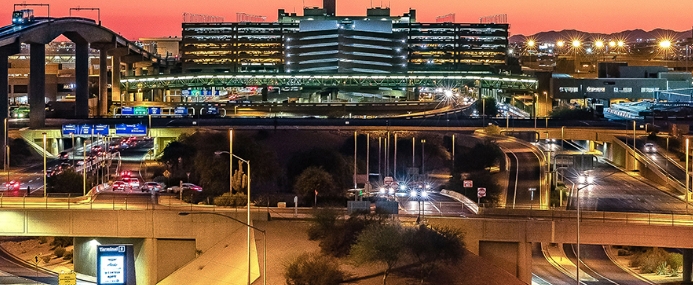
<point>165,241</point>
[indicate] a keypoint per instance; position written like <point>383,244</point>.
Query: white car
<point>650,147</point>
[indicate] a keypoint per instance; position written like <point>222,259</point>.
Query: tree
<point>68,181</point>
<point>327,159</point>
<point>315,179</point>
<point>313,269</point>
<point>380,243</point>
<point>491,110</point>
<point>433,247</point>
<point>479,157</point>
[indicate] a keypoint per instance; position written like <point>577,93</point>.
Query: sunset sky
<point>153,18</point>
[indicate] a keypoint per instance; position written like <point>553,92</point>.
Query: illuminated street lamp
<point>599,45</point>
<point>576,45</point>
<point>530,45</point>
<point>247,162</point>
<point>665,45</point>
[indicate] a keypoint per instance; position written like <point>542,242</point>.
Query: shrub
<point>59,252</point>
<point>675,261</point>
<point>68,255</point>
<point>235,200</point>
<point>61,242</point>
<point>323,222</point>
<point>42,240</point>
<point>46,258</point>
<point>313,269</point>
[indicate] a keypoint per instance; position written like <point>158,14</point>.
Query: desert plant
<point>68,255</point>
<point>42,240</point>
<point>313,269</point>
<point>59,251</point>
<point>46,258</point>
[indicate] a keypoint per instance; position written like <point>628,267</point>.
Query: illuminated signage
<point>70,129</point>
<point>130,130</point>
<point>183,111</point>
<point>111,265</point>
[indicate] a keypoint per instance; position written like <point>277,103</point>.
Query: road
<point>543,272</point>
<point>10,268</point>
<point>523,175</point>
<point>597,264</point>
<point>435,205</point>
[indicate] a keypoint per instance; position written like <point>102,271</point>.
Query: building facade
<point>266,47</point>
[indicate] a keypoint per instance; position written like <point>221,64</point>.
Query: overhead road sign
<point>130,130</point>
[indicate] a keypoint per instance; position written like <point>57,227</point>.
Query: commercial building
<point>392,44</point>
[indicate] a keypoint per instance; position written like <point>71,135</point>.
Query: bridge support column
<point>687,265</point>
<point>115,78</point>
<point>82,80</point>
<point>37,86</point>
<point>4,102</point>
<point>103,83</point>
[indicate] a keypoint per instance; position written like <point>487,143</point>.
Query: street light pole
<point>423,165</point>
<point>230,163</point>
<point>45,191</point>
<point>84,167</point>
<point>688,177</point>
<point>264,240</point>
<point>247,162</point>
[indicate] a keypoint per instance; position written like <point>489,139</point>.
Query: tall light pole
<point>688,177</point>
<point>230,163</point>
<point>72,136</point>
<point>423,165</point>
<point>247,162</point>
<point>45,172</point>
<point>264,241</point>
<point>84,167</point>
<point>576,45</point>
<point>588,182</point>
<point>665,45</point>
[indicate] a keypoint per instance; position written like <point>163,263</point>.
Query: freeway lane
<point>597,264</point>
<point>524,174</point>
<point>543,272</point>
<point>616,191</point>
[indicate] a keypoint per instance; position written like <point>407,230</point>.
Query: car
<point>152,186</point>
<point>12,185</point>
<point>132,182</point>
<point>650,147</point>
<point>119,185</point>
<point>64,156</point>
<point>185,187</point>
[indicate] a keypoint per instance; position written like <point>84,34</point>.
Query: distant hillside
<point>629,35</point>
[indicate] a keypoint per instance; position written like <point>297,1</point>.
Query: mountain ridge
<point>627,35</point>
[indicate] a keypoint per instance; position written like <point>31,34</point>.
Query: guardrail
<point>644,218</point>
<point>658,170</point>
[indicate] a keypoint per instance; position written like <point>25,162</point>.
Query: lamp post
<point>588,182</point>
<point>84,167</point>
<point>45,192</point>
<point>665,45</point>
<point>576,45</point>
<point>423,165</point>
<point>247,162</point>
<point>264,240</point>
<point>688,177</point>
<point>72,136</point>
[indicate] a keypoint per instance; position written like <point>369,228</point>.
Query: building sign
<point>110,263</point>
<point>130,130</point>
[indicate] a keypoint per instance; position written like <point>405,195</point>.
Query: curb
<point>607,250</point>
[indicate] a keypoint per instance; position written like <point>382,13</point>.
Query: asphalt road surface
<point>543,272</point>
<point>524,175</point>
<point>597,264</point>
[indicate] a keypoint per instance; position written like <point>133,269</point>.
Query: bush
<point>68,255</point>
<point>42,240</point>
<point>46,258</point>
<point>235,200</point>
<point>650,261</point>
<point>313,269</point>
<point>61,242</point>
<point>59,252</point>
<point>323,222</point>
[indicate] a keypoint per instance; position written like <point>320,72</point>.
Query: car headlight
<point>403,187</point>
<point>428,186</point>
<point>412,193</point>
<point>590,179</point>
<point>382,190</point>
<point>391,191</point>
<point>582,179</point>
<point>424,194</point>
